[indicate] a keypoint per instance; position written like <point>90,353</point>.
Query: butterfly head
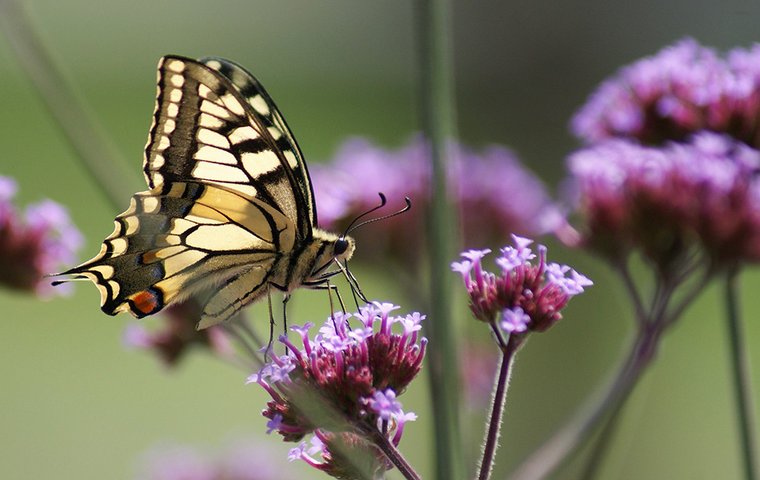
<point>343,248</point>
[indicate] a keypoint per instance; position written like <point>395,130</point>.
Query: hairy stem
<point>497,410</point>
<point>392,453</point>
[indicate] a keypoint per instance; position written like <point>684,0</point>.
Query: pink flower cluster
<point>526,295</point>
<point>681,90</point>
<point>35,243</point>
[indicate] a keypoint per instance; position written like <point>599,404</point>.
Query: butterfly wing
<point>228,198</point>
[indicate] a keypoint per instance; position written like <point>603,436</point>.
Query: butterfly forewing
<point>230,209</point>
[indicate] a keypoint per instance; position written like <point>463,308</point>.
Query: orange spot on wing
<point>145,302</point>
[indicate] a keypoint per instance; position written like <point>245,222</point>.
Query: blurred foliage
<point>74,404</point>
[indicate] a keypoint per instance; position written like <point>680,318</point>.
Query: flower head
<point>667,200</point>
<point>34,244</point>
<point>499,195</point>
<point>339,383</point>
<point>527,295</point>
<point>680,90</point>
<point>177,334</point>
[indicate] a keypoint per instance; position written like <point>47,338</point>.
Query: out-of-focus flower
<point>669,96</point>
<point>249,460</point>
<point>666,201</point>
<point>527,295</point>
<point>34,244</point>
<point>177,334</point>
<point>343,383</point>
<point>498,195</point>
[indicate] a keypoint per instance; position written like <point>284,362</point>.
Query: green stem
<point>80,130</point>
<point>392,453</point>
<point>741,377</point>
<point>497,410</point>
<point>436,94</point>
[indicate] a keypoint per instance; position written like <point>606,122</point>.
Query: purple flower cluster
<point>682,89</point>
<point>527,295</point>
<point>241,461</point>
<point>177,334</point>
<point>499,195</point>
<point>344,382</point>
<point>664,200</point>
<point>34,244</point>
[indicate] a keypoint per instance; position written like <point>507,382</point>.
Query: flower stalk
<point>741,377</point>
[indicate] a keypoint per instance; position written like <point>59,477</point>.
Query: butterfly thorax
<point>309,264</point>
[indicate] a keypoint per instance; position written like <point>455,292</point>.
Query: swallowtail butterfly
<point>230,206</point>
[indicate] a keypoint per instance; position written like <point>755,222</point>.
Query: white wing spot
<point>177,80</point>
<point>220,173</point>
<point>205,92</point>
<point>210,137</point>
<point>213,154</point>
<point>209,121</point>
<point>291,158</point>
<point>175,65</point>
<point>106,271</point>
<point>118,247</point>
<point>242,134</point>
<point>169,126</point>
<point>275,132</point>
<point>172,109</point>
<point>260,163</point>
<point>232,104</point>
<point>214,109</point>
<point>150,204</point>
<point>259,104</point>
<point>163,143</point>
<point>175,95</point>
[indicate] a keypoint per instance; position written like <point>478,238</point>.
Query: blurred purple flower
<point>249,460</point>
<point>496,194</point>
<point>667,200</point>
<point>34,244</point>
<point>680,90</point>
<point>525,296</point>
<point>177,334</point>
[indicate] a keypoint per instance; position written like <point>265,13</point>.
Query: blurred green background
<point>74,404</point>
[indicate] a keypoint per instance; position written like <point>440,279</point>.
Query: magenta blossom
<point>667,200</point>
<point>34,244</point>
<point>529,293</point>
<point>680,90</point>
<point>344,382</point>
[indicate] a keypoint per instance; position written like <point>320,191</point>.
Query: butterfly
<point>230,207</point>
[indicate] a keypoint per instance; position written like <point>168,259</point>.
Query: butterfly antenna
<point>350,226</point>
<point>353,227</point>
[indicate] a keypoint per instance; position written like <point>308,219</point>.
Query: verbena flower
<point>177,334</point>
<point>680,90</point>
<point>499,195</point>
<point>243,460</point>
<point>666,201</point>
<point>34,243</point>
<point>528,293</point>
<point>342,383</point>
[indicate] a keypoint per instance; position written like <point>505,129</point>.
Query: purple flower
<point>177,334</point>
<point>34,244</point>
<point>244,460</point>
<point>497,193</point>
<point>527,296</point>
<point>682,89</point>
<point>341,383</point>
<point>667,200</point>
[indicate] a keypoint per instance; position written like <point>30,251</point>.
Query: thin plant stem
<point>601,446</point>
<point>741,377</point>
<point>497,410</point>
<point>392,454</point>
<point>569,439</point>
<point>633,291</point>
<point>437,117</point>
<point>83,134</point>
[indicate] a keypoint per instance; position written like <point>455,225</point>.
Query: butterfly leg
<point>271,325</point>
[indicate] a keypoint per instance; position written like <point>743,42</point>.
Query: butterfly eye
<point>341,245</point>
